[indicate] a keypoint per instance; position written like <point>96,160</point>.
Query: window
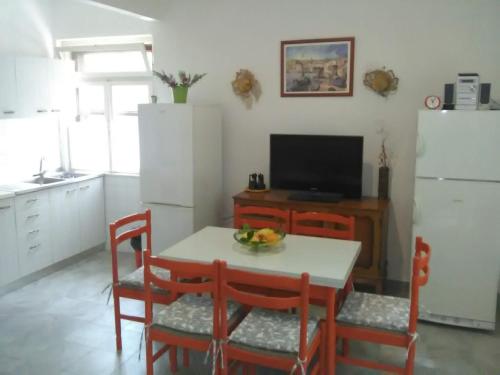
<point>106,135</point>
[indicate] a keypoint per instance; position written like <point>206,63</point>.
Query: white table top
<point>328,261</point>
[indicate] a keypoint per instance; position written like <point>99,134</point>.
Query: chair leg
<point>118,323</point>
<point>410,361</point>
<point>185,357</point>
<point>149,355</point>
<point>322,349</point>
<point>173,358</point>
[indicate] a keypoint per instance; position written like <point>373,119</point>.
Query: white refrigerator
<point>457,210</point>
<point>180,169</point>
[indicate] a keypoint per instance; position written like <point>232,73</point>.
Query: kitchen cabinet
<point>62,86</point>
<point>31,86</point>
<point>32,79</point>
<point>9,266</point>
<point>65,223</point>
<point>91,213</point>
<point>33,231</point>
<point>8,89</point>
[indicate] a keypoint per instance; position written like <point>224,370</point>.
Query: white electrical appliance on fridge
<point>457,211</point>
<point>180,169</point>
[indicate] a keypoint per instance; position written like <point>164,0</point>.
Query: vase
<point>383,183</point>
<point>180,94</point>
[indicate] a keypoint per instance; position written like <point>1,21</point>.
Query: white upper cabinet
<point>31,86</point>
<point>32,76</point>
<point>62,85</point>
<point>8,89</point>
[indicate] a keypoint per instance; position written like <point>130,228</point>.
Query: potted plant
<point>180,86</point>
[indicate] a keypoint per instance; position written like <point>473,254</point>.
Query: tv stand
<point>315,196</point>
<point>371,226</point>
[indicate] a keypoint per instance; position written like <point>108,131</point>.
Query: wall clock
<point>432,102</point>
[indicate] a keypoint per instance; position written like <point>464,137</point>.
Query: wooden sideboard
<point>371,227</point>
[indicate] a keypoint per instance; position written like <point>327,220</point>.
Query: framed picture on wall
<point>317,67</point>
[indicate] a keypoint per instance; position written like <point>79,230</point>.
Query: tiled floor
<point>61,324</point>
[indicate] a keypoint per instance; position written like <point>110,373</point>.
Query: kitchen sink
<point>45,180</point>
<point>69,175</point>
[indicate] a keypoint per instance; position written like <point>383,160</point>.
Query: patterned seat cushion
<point>373,310</point>
<point>191,314</point>
<point>272,330</point>
<point>135,280</point>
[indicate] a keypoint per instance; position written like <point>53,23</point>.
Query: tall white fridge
<point>180,169</point>
<point>457,210</point>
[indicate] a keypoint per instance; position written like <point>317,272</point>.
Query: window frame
<point>107,81</point>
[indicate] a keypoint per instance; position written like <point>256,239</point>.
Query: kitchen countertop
<point>16,188</point>
<point>6,194</point>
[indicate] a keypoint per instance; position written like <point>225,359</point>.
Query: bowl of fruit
<point>257,239</point>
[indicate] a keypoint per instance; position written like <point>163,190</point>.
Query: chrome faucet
<point>41,172</point>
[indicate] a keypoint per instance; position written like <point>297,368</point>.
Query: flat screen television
<point>324,163</point>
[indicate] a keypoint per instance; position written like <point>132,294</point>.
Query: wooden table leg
<point>331,335</point>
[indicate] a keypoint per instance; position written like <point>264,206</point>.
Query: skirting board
<point>32,277</point>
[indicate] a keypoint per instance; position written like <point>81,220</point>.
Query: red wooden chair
<point>132,285</point>
<point>261,217</point>
<point>267,336</point>
<point>384,319</point>
<point>192,320</point>
<point>323,224</point>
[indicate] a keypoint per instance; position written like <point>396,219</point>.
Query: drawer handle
<point>56,110</point>
<point>41,110</point>
<point>9,112</point>
<point>32,216</point>
<point>34,231</point>
<point>32,200</point>
<point>35,246</point>
<point>70,191</point>
<point>4,207</point>
<point>85,187</point>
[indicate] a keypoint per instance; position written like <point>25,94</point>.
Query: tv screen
<point>325,163</point>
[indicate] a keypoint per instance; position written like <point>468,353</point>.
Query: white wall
<point>76,19</point>
<point>25,28</point>
<point>426,43</point>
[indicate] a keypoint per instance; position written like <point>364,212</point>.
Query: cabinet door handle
<point>85,187</point>
<point>34,231</point>
<point>32,200</point>
<point>32,216</point>
<point>33,247</point>
<point>9,112</point>
<point>55,110</point>
<point>4,207</point>
<point>70,191</point>
<point>41,110</point>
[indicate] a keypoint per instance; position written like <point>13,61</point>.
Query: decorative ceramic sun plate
<point>258,239</point>
<point>382,81</point>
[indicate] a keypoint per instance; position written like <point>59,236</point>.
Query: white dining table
<point>329,263</point>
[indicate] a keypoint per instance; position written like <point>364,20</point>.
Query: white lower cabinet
<point>77,212</point>
<point>65,223</point>
<point>91,213</point>
<point>9,266</point>
<point>44,227</point>
<point>33,231</point>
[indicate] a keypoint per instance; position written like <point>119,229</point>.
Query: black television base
<point>315,196</point>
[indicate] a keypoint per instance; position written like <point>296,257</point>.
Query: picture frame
<point>317,67</point>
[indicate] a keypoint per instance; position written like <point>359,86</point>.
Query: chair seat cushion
<point>376,311</point>
<point>192,314</point>
<point>135,280</point>
<point>272,330</point>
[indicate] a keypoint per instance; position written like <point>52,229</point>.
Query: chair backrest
<point>261,217</point>
<point>297,296</point>
<point>116,238</point>
<point>420,276</point>
<point>323,224</point>
<point>185,278</point>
